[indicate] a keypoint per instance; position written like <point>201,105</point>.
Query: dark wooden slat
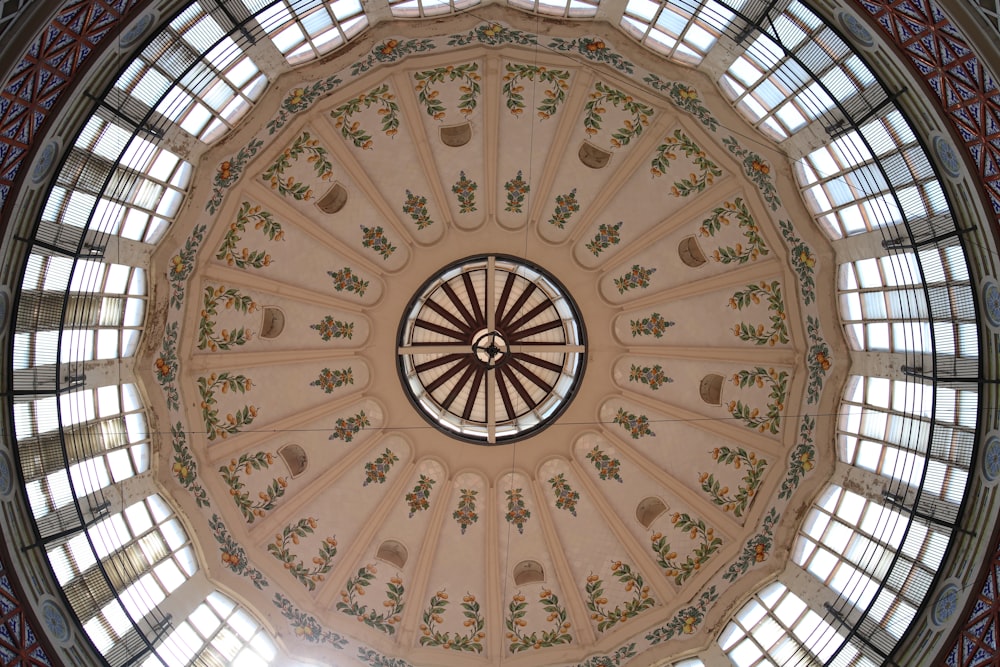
<point>535,361</point>
<point>437,328</point>
<point>508,285</point>
<point>518,386</point>
<point>440,361</point>
<point>447,375</point>
<point>470,289</point>
<point>457,389</point>
<point>463,326</point>
<point>470,321</point>
<point>530,374</point>
<point>508,405</point>
<point>539,328</point>
<point>530,315</point>
<point>474,391</point>
<point>525,295</point>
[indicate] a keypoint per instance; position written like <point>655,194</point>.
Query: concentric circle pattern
<point>492,350</point>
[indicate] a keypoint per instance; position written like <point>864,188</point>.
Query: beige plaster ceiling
<point>257,245</point>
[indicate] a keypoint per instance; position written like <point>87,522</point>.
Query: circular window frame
<point>556,399</point>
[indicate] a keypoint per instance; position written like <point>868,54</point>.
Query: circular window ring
<point>491,349</point>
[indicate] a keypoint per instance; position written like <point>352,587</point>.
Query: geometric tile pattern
<point>968,94</point>
<point>44,73</point>
<point>966,90</point>
<point>976,644</point>
<point>19,643</point>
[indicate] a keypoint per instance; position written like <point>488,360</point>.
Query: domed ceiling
<point>493,347</point>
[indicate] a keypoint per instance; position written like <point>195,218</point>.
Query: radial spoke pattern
<point>491,383</point>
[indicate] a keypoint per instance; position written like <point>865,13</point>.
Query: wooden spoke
<point>485,378</point>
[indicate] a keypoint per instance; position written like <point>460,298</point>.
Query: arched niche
<point>295,458</point>
<point>593,157</point>
<point>273,324</point>
<point>690,252</point>
<point>649,509</point>
<point>528,572</point>
<point>710,389</point>
<point>334,199</point>
<point>392,552</point>
<point>456,135</point>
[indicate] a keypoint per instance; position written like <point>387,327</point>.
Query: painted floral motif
<point>418,500</point>
<point>330,328</point>
<point>756,549</point>
<point>654,325</point>
<point>803,261</point>
<point>266,499</point>
<point>376,471</point>
<point>306,627</point>
<point>637,278</point>
<point>604,94</point>
<point>392,607</point>
<point>466,515</point>
<point>756,333</point>
<point>329,380</point>
<point>234,556</point>
<point>566,206</point>
<point>345,280</point>
<point>802,460</point>
<point>289,187</point>
<point>434,615</point>
<point>736,457</point>
<point>592,49</point>
<point>666,153</point>
<point>607,467</point>
<point>373,658</point>
<point>300,99</point>
<point>696,529</point>
<point>608,618</point>
<point>247,258</point>
<point>375,239</point>
<point>757,170</point>
<point>607,236</point>
<point>465,190</point>
<point>818,360</point>
<point>685,98</point>
<point>229,172</point>
<point>388,109</point>
<point>770,421</point>
<point>636,425</point>
<point>429,97</point>
<point>346,429</point>
<point>415,206</point>
<point>558,79</point>
<point>686,621</point>
<point>185,468</point>
<point>322,562</point>
<point>224,382</point>
<point>182,264</point>
<point>517,513</point>
<point>166,367</point>
<point>493,34</point>
<point>651,376</point>
<point>723,215</point>
<point>516,189</point>
<point>390,51</point>
<point>519,638</point>
<point>566,497</point>
<point>232,299</point>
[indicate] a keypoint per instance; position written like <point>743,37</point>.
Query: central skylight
<point>491,349</point>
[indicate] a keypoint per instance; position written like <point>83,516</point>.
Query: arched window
<point>681,31</point>
<point>219,632</point>
<point>305,31</point>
